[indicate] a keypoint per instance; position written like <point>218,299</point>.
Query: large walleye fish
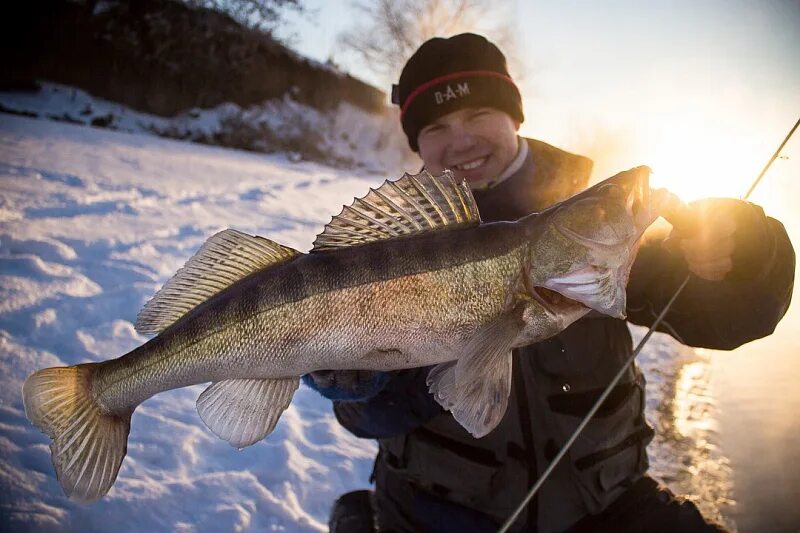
<point>406,276</point>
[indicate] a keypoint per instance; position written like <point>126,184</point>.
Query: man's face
<point>476,143</point>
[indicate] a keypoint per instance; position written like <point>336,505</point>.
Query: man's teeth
<point>471,165</point>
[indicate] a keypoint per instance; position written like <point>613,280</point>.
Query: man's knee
<point>353,513</point>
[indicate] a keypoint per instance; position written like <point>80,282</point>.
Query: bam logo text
<point>460,90</point>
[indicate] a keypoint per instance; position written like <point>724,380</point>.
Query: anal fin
<point>244,411</point>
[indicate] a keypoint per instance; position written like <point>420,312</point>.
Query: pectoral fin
<point>442,382</point>
<point>244,411</point>
<point>476,387</point>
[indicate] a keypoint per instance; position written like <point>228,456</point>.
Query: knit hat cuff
<point>450,77</point>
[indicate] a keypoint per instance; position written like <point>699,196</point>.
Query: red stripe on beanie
<point>447,77</point>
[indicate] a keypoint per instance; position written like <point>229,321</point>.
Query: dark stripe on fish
<point>321,272</point>
<point>384,260</point>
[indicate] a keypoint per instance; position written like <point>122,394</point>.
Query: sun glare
<point>700,162</point>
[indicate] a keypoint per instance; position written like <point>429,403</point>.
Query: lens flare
<point>701,162</point>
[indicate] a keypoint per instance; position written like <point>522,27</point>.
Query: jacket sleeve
<point>722,315</point>
<point>401,406</point>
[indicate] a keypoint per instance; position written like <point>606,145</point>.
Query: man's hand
<point>347,384</point>
<point>719,238</point>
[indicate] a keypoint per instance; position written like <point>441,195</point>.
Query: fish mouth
<point>601,289</point>
<point>554,301</point>
<point>623,208</point>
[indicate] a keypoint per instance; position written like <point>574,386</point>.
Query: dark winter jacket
<point>431,475</point>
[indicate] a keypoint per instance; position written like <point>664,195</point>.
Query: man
<point>461,110</point>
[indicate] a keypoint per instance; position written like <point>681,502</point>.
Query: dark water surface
<point>685,453</point>
<point>758,398</point>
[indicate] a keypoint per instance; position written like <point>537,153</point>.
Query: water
<point>685,453</point>
<point>727,427</point>
<point>759,401</point>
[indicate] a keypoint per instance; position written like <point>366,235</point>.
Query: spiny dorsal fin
<point>410,205</point>
<point>224,259</point>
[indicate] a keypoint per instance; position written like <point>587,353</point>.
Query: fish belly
<point>406,322</point>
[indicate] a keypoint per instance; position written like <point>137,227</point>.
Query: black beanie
<point>445,75</point>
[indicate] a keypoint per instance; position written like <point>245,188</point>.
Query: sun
<point>702,163</point>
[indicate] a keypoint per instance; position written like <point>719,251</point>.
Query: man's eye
<point>431,129</point>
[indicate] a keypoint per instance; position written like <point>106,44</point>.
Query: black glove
<point>347,384</point>
<point>711,231</point>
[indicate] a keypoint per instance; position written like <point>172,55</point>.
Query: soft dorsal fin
<point>224,258</point>
<point>411,205</point>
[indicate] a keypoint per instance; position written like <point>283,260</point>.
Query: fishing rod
<point>627,363</point>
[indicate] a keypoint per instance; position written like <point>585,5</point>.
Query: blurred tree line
<point>264,15</point>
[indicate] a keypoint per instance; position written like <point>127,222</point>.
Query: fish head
<point>582,249</point>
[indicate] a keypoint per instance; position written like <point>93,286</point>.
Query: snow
<point>92,223</point>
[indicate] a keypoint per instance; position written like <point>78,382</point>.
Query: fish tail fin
<point>89,443</point>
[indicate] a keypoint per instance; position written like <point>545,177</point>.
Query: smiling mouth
<point>471,165</point>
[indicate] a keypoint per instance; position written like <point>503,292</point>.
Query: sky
<point>702,91</point>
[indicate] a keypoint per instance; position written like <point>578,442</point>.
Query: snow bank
<point>346,136</point>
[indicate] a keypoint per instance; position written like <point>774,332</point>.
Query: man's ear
<point>517,124</point>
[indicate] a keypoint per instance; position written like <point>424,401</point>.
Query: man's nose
<point>462,138</point>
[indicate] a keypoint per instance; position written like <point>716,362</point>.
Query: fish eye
<point>595,220</point>
<point>613,190</point>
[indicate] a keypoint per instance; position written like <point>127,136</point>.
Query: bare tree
<point>264,15</point>
<point>394,29</point>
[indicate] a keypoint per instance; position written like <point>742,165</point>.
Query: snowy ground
<point>92,222</point>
